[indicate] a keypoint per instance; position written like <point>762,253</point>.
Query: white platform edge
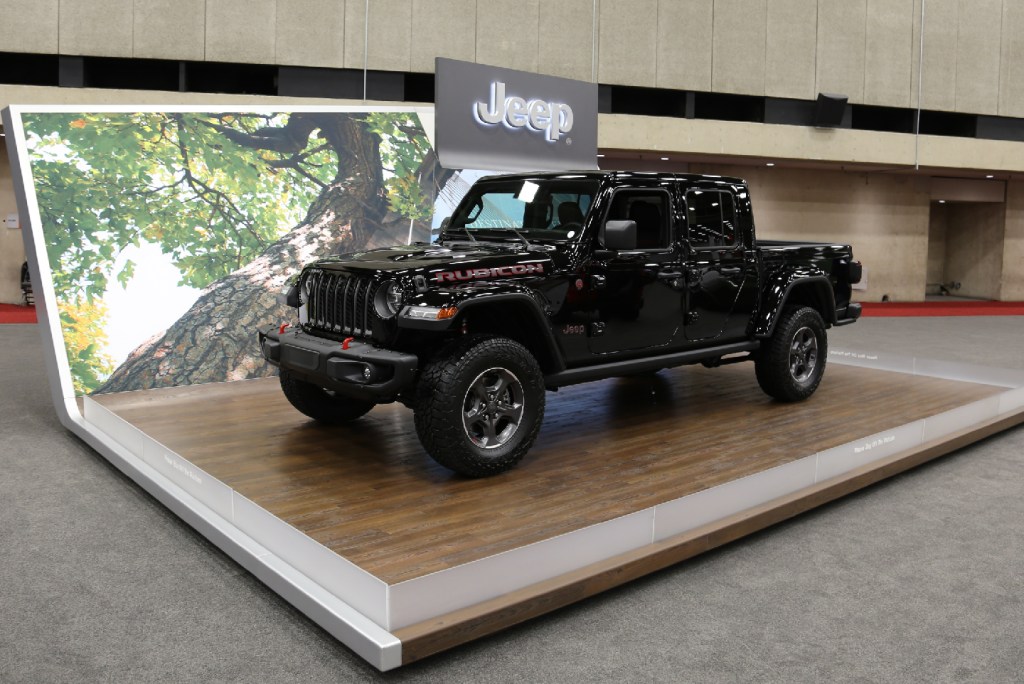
<point>362,635</point>
<point>466,585</point>
<point>329,602</point>
<point>103,431</point>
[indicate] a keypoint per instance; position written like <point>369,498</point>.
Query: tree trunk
<point>215,341</point>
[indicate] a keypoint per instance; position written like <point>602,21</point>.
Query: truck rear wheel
<point>479,405</point>
<point>320,404</point>
<point>790,364</point>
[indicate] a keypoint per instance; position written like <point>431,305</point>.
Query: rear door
<point>721,266</point>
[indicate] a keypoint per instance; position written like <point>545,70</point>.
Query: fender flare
<point>528,303</point>
<point>468,299</point>
<point>778,290</point>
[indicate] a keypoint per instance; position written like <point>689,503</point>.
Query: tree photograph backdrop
<point>170,235</point>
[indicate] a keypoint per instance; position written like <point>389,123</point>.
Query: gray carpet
<point>918,579</point>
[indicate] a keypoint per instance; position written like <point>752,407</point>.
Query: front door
<point>638,305</point>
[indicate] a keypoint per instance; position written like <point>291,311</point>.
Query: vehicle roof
<point>617,175</point>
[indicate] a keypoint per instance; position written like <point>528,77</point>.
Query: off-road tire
<point>451,417</point>
<point>322,405</point>
<point>790,364</point>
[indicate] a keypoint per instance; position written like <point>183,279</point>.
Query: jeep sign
<point>554,118</point>
<point>502,119</point>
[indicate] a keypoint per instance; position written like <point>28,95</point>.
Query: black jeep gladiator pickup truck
<point>538,281</point>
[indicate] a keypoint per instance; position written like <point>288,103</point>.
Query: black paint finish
<point>696,284</point>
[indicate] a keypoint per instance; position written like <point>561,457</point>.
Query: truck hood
<point>454,262</point>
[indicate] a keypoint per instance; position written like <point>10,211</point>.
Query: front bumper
<point>361,371</point>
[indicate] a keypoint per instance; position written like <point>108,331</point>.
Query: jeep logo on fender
<point>480,273</point>
<point>552,118</point>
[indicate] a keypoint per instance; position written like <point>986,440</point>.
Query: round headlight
<point>388,301</point>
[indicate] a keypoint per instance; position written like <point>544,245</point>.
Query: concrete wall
<point>865,49</point>
<point>937,227</point>
<point>884,218</point>
<point>974,248</point>
<point>12,249</point>
<point>1012,286</point>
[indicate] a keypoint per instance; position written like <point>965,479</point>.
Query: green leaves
<point>403,148</point>
<point>105,181</point>
<point>83,324</point>
<point>212,190</point>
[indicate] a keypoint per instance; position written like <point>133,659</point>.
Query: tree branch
<point>202,189</point>
<point>295,160</point>
<point>287,139</point>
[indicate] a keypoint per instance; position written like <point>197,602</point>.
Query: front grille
<point>339,303</point>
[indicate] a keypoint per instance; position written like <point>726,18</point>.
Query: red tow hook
<point>280,330</point>
<point>346,342</point>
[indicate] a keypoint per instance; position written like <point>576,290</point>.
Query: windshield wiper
<point>526,243</point>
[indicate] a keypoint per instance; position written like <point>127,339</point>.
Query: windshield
<point>540,208</point>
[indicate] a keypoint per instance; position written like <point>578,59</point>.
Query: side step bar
<point>573,376</point>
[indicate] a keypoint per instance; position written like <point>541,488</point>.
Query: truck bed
<point>822,254</point>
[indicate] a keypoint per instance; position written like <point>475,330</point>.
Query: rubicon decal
<point>482,273</point>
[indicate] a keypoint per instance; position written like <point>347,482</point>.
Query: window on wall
<point>711,217</point>
<point>651,212</point>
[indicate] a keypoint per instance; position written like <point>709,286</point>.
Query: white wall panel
<point>684,44</point>
<point>791,48</point>
<point>169,29</point>
<point>507,33</point>
<point>29,26</point>
<point>842,26</point>
<point>566,39</point>
<point>442,28</point>
<point>888,58</point>
<point>241,32</point>
<point>1011,74</point>
<point>939,74</point>
<point>627,48</point>
<point>977,56</point>
<point>310,33</point>
<point>390,32</point>
<point>96,27</point>
<point>739,47</point>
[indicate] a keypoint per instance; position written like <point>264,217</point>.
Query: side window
<point>650,210</point>
<point>711,216</point>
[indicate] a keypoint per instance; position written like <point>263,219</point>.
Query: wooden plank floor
<point>370,493</point>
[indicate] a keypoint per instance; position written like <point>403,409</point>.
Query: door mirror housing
<point>619,235</point>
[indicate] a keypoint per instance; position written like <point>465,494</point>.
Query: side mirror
<point>619,235</point>
<point>445,221</point>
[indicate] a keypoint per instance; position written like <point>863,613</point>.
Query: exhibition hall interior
<point>512,340</point>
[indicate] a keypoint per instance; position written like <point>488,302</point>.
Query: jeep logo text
<point>554,119</point>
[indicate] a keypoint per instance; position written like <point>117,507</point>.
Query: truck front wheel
<point>790,364</point>
<point>320,404</point>
<point>479,405</point>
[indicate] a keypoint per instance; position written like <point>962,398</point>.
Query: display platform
<point>399,558</point>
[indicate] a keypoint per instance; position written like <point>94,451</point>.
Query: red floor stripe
<point>957,308</point>
<point>9,313</point>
